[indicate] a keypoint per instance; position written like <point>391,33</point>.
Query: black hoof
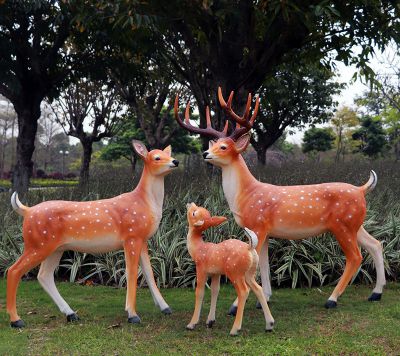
<point>134,320</point>
<point>232,310</point>
<point>258,305</point>
<point>17,324</point>
<point>72,318</point>
<point>167,311</point>
<point>268,330</point>
<point>210,323</point>
<point>330,304</point>
<point>374,297</point>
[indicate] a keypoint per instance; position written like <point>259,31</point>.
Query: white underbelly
<point>100,244</point>
<point>298,233</point>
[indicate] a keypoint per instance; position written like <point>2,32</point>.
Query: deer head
<point>158,162</point>
<point>223,148</point>
<point>200,219</point>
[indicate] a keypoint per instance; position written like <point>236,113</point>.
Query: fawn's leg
<point>215,282</point>
<point>243,292</point>
<point>201,281</point>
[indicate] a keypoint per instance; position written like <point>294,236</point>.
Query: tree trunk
<point>27,126</point>
<point>85,164</point>
<point>261,155</point>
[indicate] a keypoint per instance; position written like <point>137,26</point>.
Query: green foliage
<point>43,182</point>
<point>318,139</point>
<point>371,136</point>
<point>314,262</point>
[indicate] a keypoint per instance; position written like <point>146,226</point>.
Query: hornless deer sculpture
<point>288,212</point>
<point>126,221</point>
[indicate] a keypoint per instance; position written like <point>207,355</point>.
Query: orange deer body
<point>233,258</point>
<point>289,212</point>
<point>123,222</point>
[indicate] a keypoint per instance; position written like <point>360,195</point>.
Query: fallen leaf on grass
<point>114,326</point>
<point>31,312</point>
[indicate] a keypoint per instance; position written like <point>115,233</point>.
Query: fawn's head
<point>158,162</point>
<point>200,218</point>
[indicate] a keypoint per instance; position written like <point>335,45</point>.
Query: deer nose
<point>175,162</point>
<point>205,154</point>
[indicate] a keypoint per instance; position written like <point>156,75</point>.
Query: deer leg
<point>348,243</point>
<point>215,283</point>
<point>132,249</point>
<point>265,271</point>
<point>374,248</point>
<point>28,260</point>
<point>201,281</point>
<point>262,250</point>
<point>148,274</point>
<point>46,280</point>
<point>243,291</point>
<point>269,320</point>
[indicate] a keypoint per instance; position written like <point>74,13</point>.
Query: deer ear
<point>168,150</point>
<point>242,142</point>
<point>199,223</point>
<point>140,148</point>
<point>217,220</point>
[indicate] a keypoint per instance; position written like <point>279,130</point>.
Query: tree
<point>343,122</point>
<point>318,140</point>
<point>370,136</point>
<point>33,65</point>
<point>89,111</point>
<point>296,95</point>
<point>121,144</point>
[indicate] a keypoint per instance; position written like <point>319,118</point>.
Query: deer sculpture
<point>123,222</point>
<point>287,212</point>
<point>234,258</point>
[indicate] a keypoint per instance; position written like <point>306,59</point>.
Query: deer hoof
<point>374,297</point>
<point>270,326</point>
<point>190,326</point>
<point>72,317</point>
<point>234,333</point>
<point>258,305</point>
<point>232,310</point>
<point>134,320</point>
<point>330,304</point>
<point>18,324</point>
<point>167,311</point>
<point>210,323</point>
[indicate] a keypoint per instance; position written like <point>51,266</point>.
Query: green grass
<point>43,182</point>
<point>303,326</point>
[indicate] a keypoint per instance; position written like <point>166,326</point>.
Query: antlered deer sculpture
<point>288,212</point>
<point>126,221</point>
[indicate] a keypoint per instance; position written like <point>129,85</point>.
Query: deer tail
<point>17,205</point>
<point>252,236</point>
<point>370,185</point>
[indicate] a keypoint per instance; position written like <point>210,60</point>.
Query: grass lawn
<point>303,326</point>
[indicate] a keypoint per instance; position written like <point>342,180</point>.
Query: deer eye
<point>223,147</point>
<point>157,158</point>
<point>193,213</point>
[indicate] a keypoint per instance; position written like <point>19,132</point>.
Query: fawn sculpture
<point>126,221</point>
<point>288,212</point>
<point>234,258</point>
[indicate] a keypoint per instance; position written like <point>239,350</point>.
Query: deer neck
<point>151,189</point>
<point>236,179</point>
<point>194,241</point>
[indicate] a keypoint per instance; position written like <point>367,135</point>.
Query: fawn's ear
<point>168,150</point>
<point>140,148</point>
<point>242,142</point>
<point>189,205</point>
<point>217,220</point>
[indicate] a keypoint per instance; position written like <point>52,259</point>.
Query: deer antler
<point>243,124</point>
<point>208,131</point>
